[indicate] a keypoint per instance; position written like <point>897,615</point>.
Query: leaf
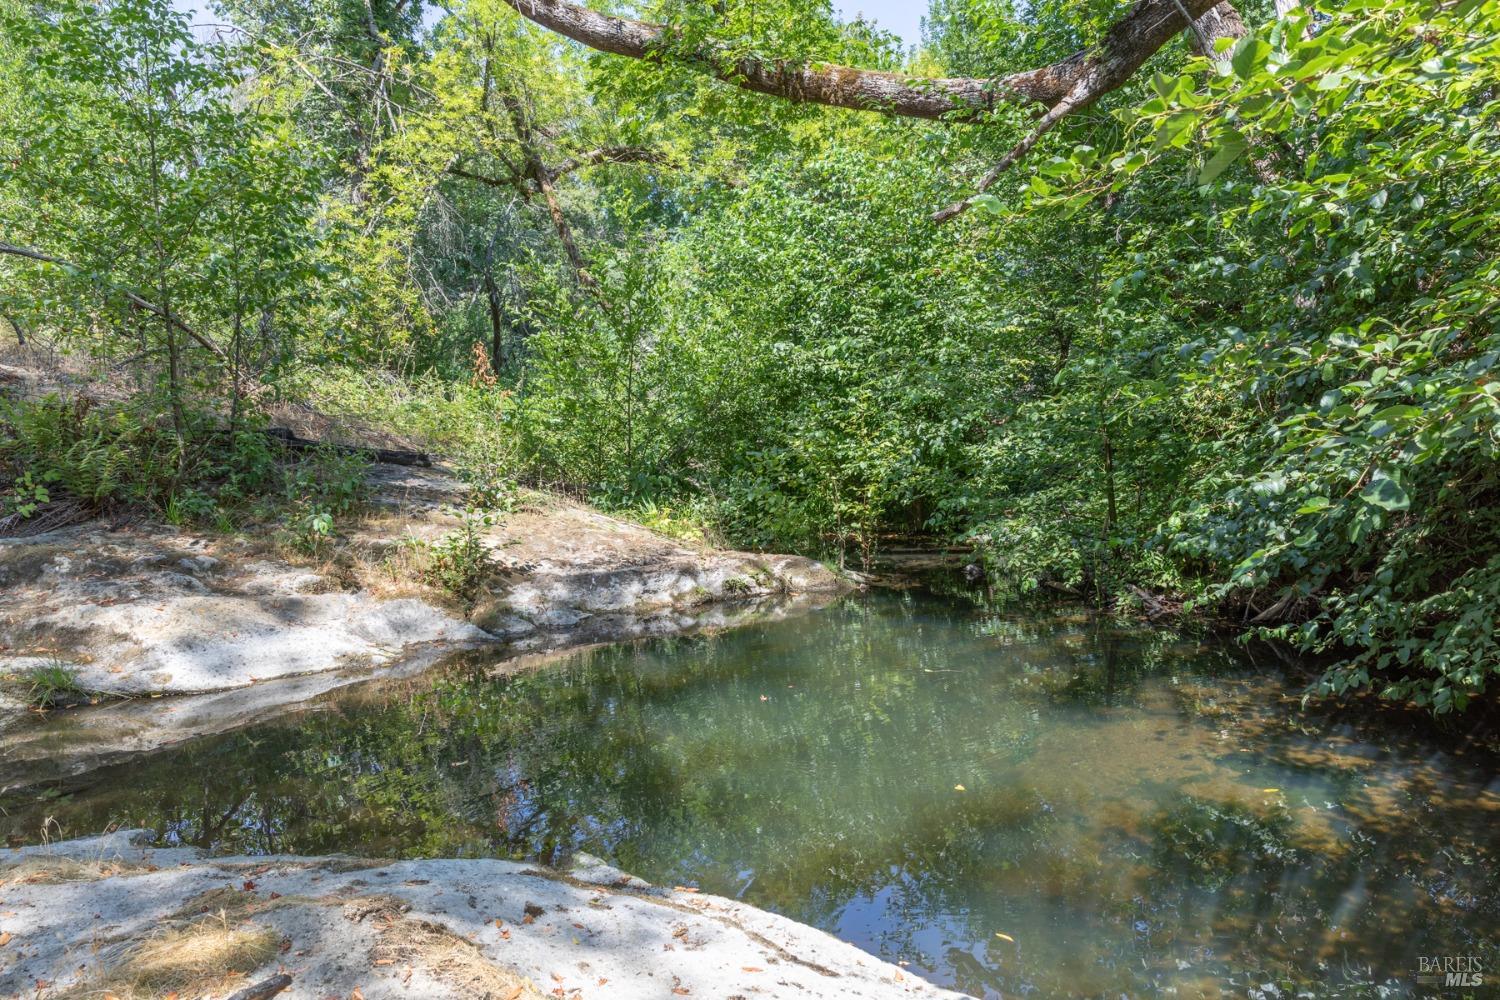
<point>986,201</point>
<point>1229,150</point>
<point>1250,52</point>
<point>959,788</point>
<point>5,937</point>
<point>1315,505</point>
<point>1173,131</point>
<point>1005,937</point>
<point>1386,493</point>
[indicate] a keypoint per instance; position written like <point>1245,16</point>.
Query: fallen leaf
<point>601,981</point>
<point>275,895</point>
<point>515,993</point>
<point>959,788</point>
<point>385,961</point>
<point>751,968</point>
<point>355,994</point>
<point>5,937</point>
<point>1270,790</point>
<point>681,991</point>
<point>1005,937</point>
<point>528,919</point>
<point>764,698</point>
<point>684,888</point>
<point>499,923</point>
<point>556,978</point>
<point>249,886</point>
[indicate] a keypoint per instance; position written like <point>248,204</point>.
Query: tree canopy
<point>1218,328</point>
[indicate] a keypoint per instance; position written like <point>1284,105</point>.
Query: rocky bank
<point>104,916</point>
<point>204,633</point>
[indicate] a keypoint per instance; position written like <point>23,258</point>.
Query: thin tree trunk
<point>1111,515</point>
<point>537,174</point>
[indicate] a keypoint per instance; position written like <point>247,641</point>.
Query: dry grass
<point>43,870</point>
<point>456,962</point>
<point>208,957</point>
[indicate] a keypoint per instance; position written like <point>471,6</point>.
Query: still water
<point>1033,805</point>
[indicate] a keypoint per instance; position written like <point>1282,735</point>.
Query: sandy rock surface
<point>82,914</point>
<point>150,610</point>
<point>145,611</point>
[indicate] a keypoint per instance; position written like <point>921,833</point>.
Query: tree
<point>171,213</point>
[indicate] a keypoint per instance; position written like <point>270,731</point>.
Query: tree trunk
<point>15,326</point>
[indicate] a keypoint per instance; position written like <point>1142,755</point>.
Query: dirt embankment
<point>143,612</point>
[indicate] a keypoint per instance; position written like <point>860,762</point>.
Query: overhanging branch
<point>1089,73</point>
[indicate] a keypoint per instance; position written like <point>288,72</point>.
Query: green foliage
<point>98,454</point>
<point>27,494</point>
<point>52,686</point>
<point>1354,154</point>
<point>323,488</point>
<point>459,561</point>
<point>467,422</point>
<point>1229,335</point>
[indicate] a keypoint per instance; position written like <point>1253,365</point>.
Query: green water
<point>1133,810</point>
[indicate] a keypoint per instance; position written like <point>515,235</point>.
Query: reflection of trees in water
<point>836,791</point>
<point>1394,859</point>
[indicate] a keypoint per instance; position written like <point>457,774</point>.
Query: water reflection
<point>1011,805</point>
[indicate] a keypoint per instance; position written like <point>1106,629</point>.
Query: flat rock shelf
<point>78,912</point>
